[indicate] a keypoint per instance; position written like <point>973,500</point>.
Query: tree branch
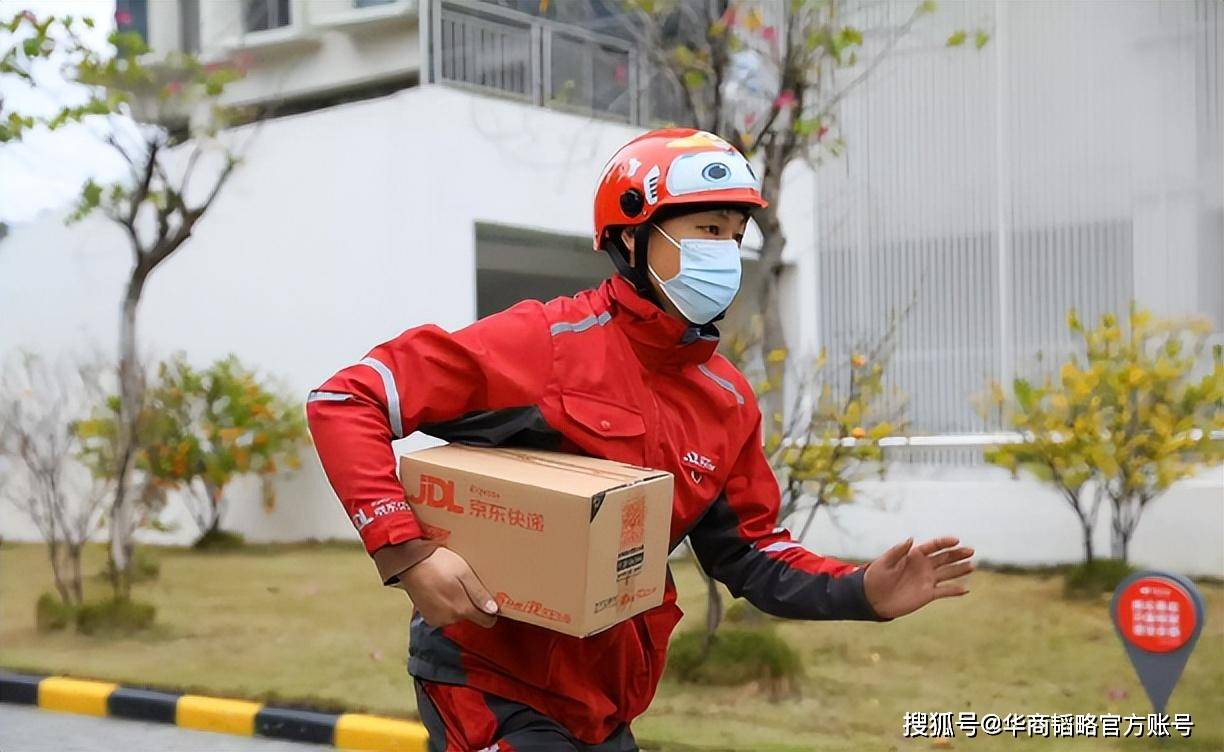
<point>838,96</point>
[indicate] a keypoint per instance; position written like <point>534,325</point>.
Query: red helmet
<point>669,167</point>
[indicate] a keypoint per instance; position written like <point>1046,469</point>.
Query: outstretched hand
<point>907,577</point>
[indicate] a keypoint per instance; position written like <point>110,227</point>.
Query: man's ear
<point>627,240</point>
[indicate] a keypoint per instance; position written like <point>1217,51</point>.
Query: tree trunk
<point>1120,544</point>
<point>714,611</point>
<point>714,607</point>
<point>1073,498</point>
<point>773,401</point>
<point>130,389</point>
<point>812,516</point>
<point>1117,547</point>
<point>211,524</point>
<point>53,552</point>
<point>773,337</point>
<point>78,589</point>
<point>216,501</point>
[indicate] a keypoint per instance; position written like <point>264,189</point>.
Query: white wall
<point>345,226</point>
<point>1020,521</point>
<point>1074,160</point>
<point>342,228</point>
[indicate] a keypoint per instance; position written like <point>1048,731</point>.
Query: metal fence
<point>994,190</point>
<point>508,53</point>
<point>956,449</point>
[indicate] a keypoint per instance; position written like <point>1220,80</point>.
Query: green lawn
<point>310,624</point>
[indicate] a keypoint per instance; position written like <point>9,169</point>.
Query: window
<point>514,264</point>
<point>133,15</point>
<point>262,15</point>
<point>371,3</point>
<point>588,76</point>
<point>189,26</point>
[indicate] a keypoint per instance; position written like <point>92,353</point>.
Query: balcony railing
<point>504,52</point>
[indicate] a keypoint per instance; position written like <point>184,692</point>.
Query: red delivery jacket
<point>604,373</point>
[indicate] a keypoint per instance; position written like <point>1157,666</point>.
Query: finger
<point>950,557</point>
<point>937,544</point>
<point>894,555</point>
<point>949,591</point>
<point>952,571</point>
<point>478,617</point>
<point>476,591</point>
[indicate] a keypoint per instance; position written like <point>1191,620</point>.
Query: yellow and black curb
<point>346,730</point>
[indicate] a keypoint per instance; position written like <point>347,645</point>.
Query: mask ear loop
<point>670,239</point>
<point>663,232</point>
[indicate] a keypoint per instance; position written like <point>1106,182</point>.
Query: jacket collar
<point>658,340</point>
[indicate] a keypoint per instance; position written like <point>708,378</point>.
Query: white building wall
<point>1074,160</point>
<point>342,228</point>
<point>345,226</point>
<point>1021,521</point>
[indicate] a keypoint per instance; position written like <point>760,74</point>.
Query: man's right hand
<point>445,589</point>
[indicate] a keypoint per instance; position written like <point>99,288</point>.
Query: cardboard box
<point>571,543</point>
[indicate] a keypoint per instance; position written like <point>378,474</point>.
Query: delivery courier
<point>627,372</point>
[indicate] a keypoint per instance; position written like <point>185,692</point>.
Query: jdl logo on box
<point>437,492</point>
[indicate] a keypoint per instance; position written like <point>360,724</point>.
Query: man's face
<point>716,224</point>
<point>664,257</point>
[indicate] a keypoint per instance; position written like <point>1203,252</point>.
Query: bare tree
<point>40,408</point>
<point>162,119</point>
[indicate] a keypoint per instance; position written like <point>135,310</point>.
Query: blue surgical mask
<point>708,279</point>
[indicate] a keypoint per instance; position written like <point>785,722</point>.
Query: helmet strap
<point>635,273</point>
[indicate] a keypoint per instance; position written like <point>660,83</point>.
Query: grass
<point>309,625</point>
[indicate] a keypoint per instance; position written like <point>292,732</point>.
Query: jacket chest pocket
<point>604,428</point>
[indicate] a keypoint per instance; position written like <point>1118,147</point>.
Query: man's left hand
<point>907,577</point>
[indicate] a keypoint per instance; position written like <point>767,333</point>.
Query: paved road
<point>27,729</point>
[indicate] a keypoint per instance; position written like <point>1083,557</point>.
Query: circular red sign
<point>1156,614</point>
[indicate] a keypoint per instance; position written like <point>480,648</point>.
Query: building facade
<point>434,161</point>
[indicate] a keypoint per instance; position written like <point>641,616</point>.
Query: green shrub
<point>747,615</point>
<point>145,567</point>
<point>736,656</point>
<point>219,540</point>
<point>52,614</point>
<point>737,612</point>
<point>118,617</point>
<point>1092,580</point>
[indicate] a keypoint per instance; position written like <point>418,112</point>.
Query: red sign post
<point>1159,616</point>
